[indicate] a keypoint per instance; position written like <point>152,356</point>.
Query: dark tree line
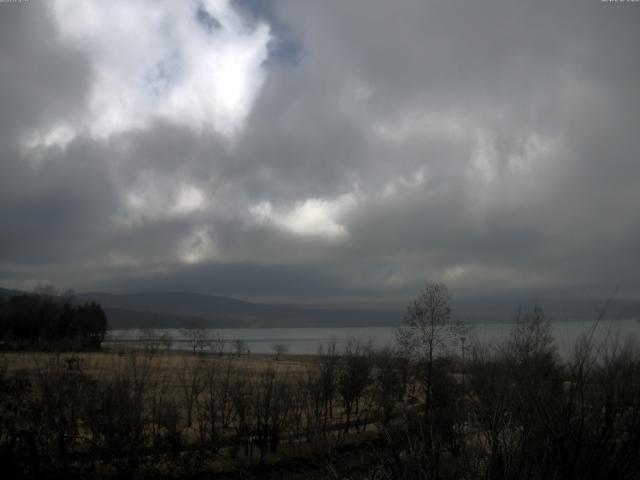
<point>48,321</point>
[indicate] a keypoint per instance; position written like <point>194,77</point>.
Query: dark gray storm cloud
<point>321,150</point>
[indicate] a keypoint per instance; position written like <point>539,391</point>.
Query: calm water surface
<point>308,340</point>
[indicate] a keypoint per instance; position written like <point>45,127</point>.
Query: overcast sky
<point>321,150</point>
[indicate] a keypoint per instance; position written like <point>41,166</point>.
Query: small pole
<point>462,340</point>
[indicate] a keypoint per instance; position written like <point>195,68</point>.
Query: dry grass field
<point>165,364</point>
<point>224,412</point>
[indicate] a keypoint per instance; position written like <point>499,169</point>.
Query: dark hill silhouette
<point>180,309</point>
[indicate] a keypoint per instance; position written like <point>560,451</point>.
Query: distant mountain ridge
<point>183,309</point>
<point>180,309</point>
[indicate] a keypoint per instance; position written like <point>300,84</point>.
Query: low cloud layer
<point>321,151</point>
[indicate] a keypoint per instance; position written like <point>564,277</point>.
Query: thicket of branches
<point>508,411</point>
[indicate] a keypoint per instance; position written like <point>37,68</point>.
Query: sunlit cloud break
<point>311,217</point>
<point>195,64</point>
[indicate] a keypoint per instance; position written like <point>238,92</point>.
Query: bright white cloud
<point>151,200</point>
<point>197,247</point>
<point>311,217</point>
<point>56,135</point>
<point>190,199</point>
<point>484,160</point>
<point>476,276</point>
<point>197,64</point>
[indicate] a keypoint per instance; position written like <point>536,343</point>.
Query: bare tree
<point>166,341</point>
<point>389,385</point>
<point>280,349</point>
<point>354,377</point>
<point>328,380</point>
<point>192,385</point>
<point>242,401</point>
<point>197,338</point>
<point>240,346</point>
<point>271,405</point>
<point>216,409</point>
<point>313,403</point>
<point>427,329</point>
<point>149,339</point>
<point>217,343</point>
<point>117,414</point>
<point>299,399</point>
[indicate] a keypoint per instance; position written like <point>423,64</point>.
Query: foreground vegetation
<point>439,407</point>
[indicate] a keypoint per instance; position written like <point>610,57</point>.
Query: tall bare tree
<point>426,329</point>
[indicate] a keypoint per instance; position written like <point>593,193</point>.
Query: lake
<point>307,340</point>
